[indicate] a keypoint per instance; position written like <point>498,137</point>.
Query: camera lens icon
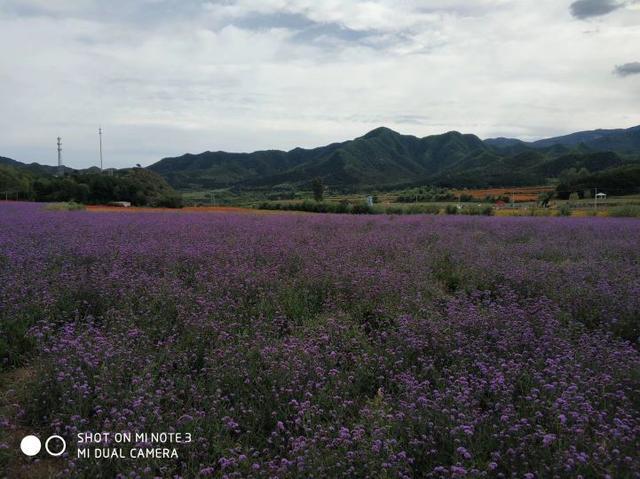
<point>57,450</point>
<point>31,445</point>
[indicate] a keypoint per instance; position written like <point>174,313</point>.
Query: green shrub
<point>451,210</point>
<point>66,206</point>
<point>488,211</point>
<point>394,210</point>
<point>343,207</point>
<point>361,209</point>
<point>169,201</point>
<point>422,210</point>
<point>478,210</point>
<point>626,211</point>
<point>565,210</point>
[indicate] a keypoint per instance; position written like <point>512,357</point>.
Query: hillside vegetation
<point>622,180</point>
<point>385,158</point>
<point>139,186</point>
<point>382,160</point>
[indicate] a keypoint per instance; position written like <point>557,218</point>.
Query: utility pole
<point>59,156</point>
<point>100,135</point>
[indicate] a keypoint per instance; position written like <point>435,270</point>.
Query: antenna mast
<point>100,135</point>
<point>59,156</point>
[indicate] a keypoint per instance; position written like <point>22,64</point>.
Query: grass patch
<point>626,211</point>
<point>65,206</point>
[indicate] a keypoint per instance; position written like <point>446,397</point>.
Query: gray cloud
<point>142,13</point>
<point>332,32</point>
<point>164,77</point>
<point>265,21</point>
<point>304,30</point>
<point>627,69</point>
<point>594,8</point>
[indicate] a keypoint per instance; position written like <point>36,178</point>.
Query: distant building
<point>121,204</point>
<point>601,196</point>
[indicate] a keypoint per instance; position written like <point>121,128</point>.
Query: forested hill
<point>620,140</point>
<point>385,158</point>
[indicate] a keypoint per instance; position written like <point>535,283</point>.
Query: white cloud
<point>166,77</point>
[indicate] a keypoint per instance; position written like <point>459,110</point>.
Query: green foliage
<point>394,210</point>
<point>309,206</point>
<point>544,198</point>
<point>626,211</point>
<point>451,210</point>
<point>618,181</point>
<point>382,157</point>
<point>14,182</point>
<point>386,159</point>
<point>572,175</point>
<point>15,342</point>
<point>69,206</point>
<point>361,209</point>
<point>477,210</point>
<point>345,207</point>
<point>138,186</point>
<point>422,210</point>
<point>282,192</point>
<point>318,189</point>
<point>565,210</point>
<point>61,190</point>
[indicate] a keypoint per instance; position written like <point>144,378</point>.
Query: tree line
<point>136,185</point>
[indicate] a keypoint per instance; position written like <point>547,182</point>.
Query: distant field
<point>521,194</point>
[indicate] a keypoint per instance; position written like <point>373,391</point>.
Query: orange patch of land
<point>186,209</point>
<point>521,194</point>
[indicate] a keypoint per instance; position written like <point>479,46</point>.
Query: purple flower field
<point>312,346</point>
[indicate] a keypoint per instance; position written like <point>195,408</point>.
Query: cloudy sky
<point>165,77</point>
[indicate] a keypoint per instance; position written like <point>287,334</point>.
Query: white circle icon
<point>61,451</point>
<point>30,445</point>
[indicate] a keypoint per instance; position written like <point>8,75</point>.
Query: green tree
<point>544,198</point>
<point>318,189</point>
<point>15,183</point>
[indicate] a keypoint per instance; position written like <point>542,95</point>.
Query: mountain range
<point>615,140</point>
<point>384,158</point>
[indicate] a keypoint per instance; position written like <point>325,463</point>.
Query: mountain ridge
<point>381,156</point>
<point>384,158</point>
<point>615,139</point>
